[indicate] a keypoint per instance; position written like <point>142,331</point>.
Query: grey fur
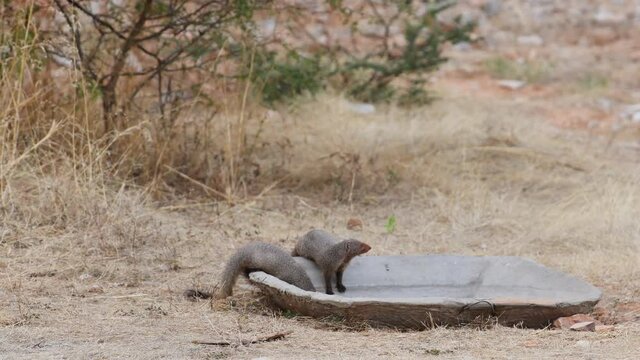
<point>258,256</point>
<point>329,254</point>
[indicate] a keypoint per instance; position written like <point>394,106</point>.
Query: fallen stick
<point>273,337</point>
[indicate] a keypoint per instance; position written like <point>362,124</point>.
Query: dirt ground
<point>548,171</point>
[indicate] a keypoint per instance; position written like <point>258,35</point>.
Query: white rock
<point>530,40</point>
<point>85,276</point>
<point>604,16</point>
<point>462,46</point>
<point>62,61</point>
<point>164,267</point>
<point>512,84</point>
<point>267,27</point>
<point>604,104</point>
<point>584,326</point>
<point>630,113</point>
<point>585,344</point>
<point>362,108</point>
<point>492,7</point>
<point>630,110</point>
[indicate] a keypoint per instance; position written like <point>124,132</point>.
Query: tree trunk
<point>108,108</point>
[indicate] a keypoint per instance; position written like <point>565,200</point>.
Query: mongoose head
<point>356,247</point>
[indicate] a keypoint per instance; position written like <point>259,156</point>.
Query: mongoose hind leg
<point>339,284</point>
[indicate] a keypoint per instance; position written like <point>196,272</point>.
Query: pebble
<point>585,344</point>
<point>362,108</point>
<point>512,84</point>
<point>584,326</point>
<point>530,40</point>
<point>604,16</point>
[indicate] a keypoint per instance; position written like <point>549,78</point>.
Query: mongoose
<point>330,255</point>
<point>258,256</point>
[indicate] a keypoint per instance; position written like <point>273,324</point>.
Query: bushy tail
<point>230,274</point>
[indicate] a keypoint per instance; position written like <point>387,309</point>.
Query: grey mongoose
<point>331,256</point>
<point>258,256</point>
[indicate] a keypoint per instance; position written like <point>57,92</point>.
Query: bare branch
<point>86,66</point>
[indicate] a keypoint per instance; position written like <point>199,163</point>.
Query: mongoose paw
<point>329,292</point>
<point>341,288</point>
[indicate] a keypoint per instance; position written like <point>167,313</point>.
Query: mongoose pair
<point>317,245</point>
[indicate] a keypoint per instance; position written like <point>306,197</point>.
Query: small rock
<point>630,109</point>
<point>585,344</point>
<point>604,104</point>
<point>267,27</point>
<point>631,112</point>
<point>498,38</point>
<point>354,224</point>
<point>530,40</point>
<point>584,326</point>
<point>604,16</point>
<point>362,108</point>
<point>96,289</point>
<point>604,328</point>
<point>531,343</point>
<point>512,84</point>
<point>462,46</point>
<point>567,322</point>
<point>272,114</point>
<point>84,277</point>
<point>164,267</point>
<point>602,35</point>
<point>492,7</point>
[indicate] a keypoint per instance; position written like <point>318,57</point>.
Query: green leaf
<point>391,224</point>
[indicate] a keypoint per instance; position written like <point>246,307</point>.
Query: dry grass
<point>481,178</point>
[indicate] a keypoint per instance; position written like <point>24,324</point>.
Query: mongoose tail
<point>258,256</point>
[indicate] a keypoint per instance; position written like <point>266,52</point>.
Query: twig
<point>120,296</point>
<point>273,337</point>
<point>271,186</point>
<point>305,203</point>
<point>202,185</point>
<point>530,153</point>
<point>7,168</point>
<point>187,206</point>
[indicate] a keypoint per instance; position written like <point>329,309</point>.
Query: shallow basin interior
<point>449,276</point>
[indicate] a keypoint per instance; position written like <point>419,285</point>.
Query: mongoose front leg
<point>339,284</point>
<point>327,282</point>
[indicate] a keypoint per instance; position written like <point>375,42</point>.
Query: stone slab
<point>427,290</point>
